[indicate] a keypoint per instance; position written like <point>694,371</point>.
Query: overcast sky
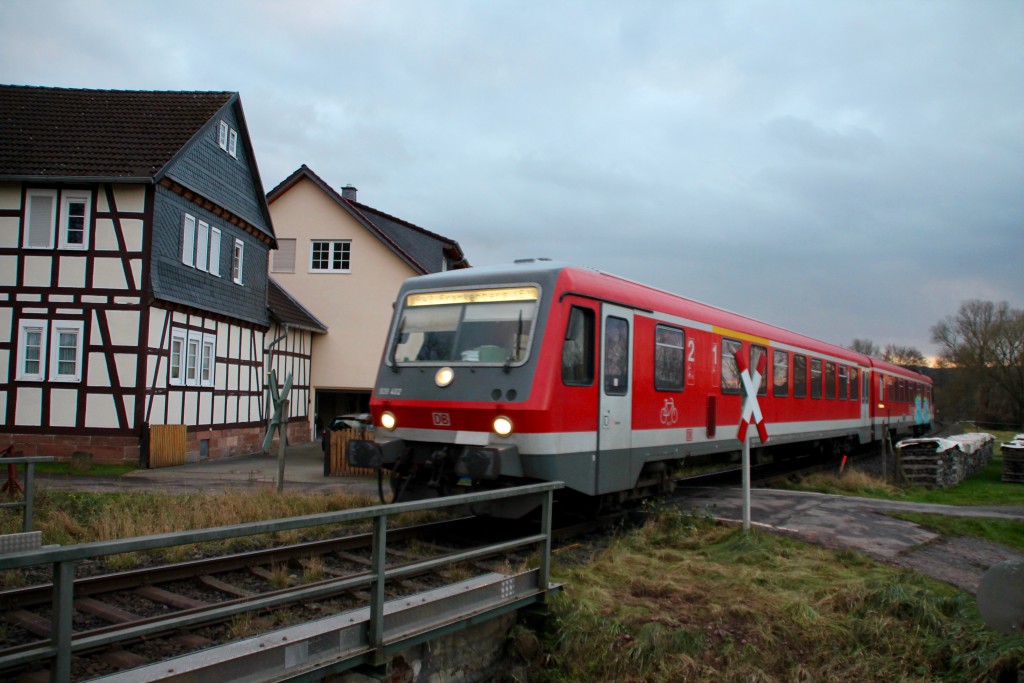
<point>846,169</point>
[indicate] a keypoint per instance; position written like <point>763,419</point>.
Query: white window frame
<point>207,360</point>
<point>43,224</point>
<point>237,261</point>
<point>334,244</point>
<point>176,371</point>
<point>59,327</point>
<point>188,241</point>
<point>24,328</point>
<point>233,143</point>
<point>222,135</point>
<point>67,198</point>
<point>197,359</point>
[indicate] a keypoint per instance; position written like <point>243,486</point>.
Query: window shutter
<point>188,241</point>
<point>202,245</point>
<point>41,220</point>
<point>215,251</point>
<point>283,260</point>
<point>233,143</point>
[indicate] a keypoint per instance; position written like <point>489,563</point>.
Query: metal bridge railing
<point>11,486</point>
<point>63,559</point>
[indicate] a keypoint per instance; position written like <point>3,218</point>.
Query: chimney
<point>348,192</point>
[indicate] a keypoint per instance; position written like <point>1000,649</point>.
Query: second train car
<point>542,371</point>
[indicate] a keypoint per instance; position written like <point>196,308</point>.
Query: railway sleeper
<point>108,613</point>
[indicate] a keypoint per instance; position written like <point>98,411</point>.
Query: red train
<point>544,371</point>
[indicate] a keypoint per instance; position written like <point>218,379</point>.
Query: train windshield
<point>487,326</point>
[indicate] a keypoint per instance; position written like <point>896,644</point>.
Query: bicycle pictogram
<point>669,413</point>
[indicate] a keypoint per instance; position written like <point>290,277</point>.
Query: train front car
<point>455,392</point>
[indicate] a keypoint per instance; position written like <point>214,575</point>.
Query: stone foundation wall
<point>110,450</point>
<point>477,653</point>
<point>127,450</point>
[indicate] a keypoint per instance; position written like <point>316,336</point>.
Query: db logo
<point>442,420</point>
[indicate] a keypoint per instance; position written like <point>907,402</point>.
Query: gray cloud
<point>843,169</point>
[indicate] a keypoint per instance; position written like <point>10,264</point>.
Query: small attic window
<point>227,138</point>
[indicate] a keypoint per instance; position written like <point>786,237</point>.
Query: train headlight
<point>387,420</point>
<point>502,426</point>
<point>444,377</point>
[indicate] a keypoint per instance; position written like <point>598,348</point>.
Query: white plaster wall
<point>100,411</point>
<point>108,273</point>
<point>10,228</point>
<point>10,195</point>
<point>72,272</point>
<point>37,270</point>
<point>8,270</point>
<point>29,407</point>
<point>63,407</point>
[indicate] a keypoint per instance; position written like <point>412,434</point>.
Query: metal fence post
<point>30,490</point>
<point>378,559</point>
<point>544,570</point>
<point>63,600</point>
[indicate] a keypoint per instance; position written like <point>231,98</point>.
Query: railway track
<point>126,619</point>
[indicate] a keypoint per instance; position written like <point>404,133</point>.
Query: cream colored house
<point>345,261</point>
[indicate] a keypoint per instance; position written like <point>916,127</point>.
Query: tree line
<point>979,372</point>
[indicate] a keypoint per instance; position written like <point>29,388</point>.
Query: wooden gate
<point>167,445</point>
<point>339,466</point>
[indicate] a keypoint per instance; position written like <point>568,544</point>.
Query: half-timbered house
<point>134,241</point>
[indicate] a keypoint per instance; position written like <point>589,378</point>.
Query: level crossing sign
<point>751,408</point>
<point>751,413</point>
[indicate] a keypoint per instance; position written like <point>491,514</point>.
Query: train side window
<point>578,348</point>
<point>755,356</point>
<point>843,380</point>
<point>781,373</point>
<point>616,356</point>
<point>854,384</point>
<point>730,370</point>
<point>799,376</point>
<point>830,381</point>
<point>815,378</point>
<point>669,343</point>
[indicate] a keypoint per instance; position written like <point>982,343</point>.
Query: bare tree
<point>867,347</point>
<point>986,340</point>
<point>904,355</point>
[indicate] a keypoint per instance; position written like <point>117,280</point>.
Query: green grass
<point>1005,532</point>
<point>985,487</point>
<point>93,471</point>
<point>685,599</point>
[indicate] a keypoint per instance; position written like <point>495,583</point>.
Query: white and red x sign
<point>751,409</point>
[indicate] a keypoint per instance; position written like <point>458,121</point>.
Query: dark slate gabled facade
<point>134,237</point>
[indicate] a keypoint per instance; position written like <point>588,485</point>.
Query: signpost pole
<point>746,482</point>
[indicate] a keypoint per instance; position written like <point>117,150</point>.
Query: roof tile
<point>64,133</point>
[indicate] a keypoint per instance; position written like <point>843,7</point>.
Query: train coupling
<point>488,462</point>
<point>382,452</point>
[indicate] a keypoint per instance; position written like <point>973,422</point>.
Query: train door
<point>615,430</point>
<point>865,400</point>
